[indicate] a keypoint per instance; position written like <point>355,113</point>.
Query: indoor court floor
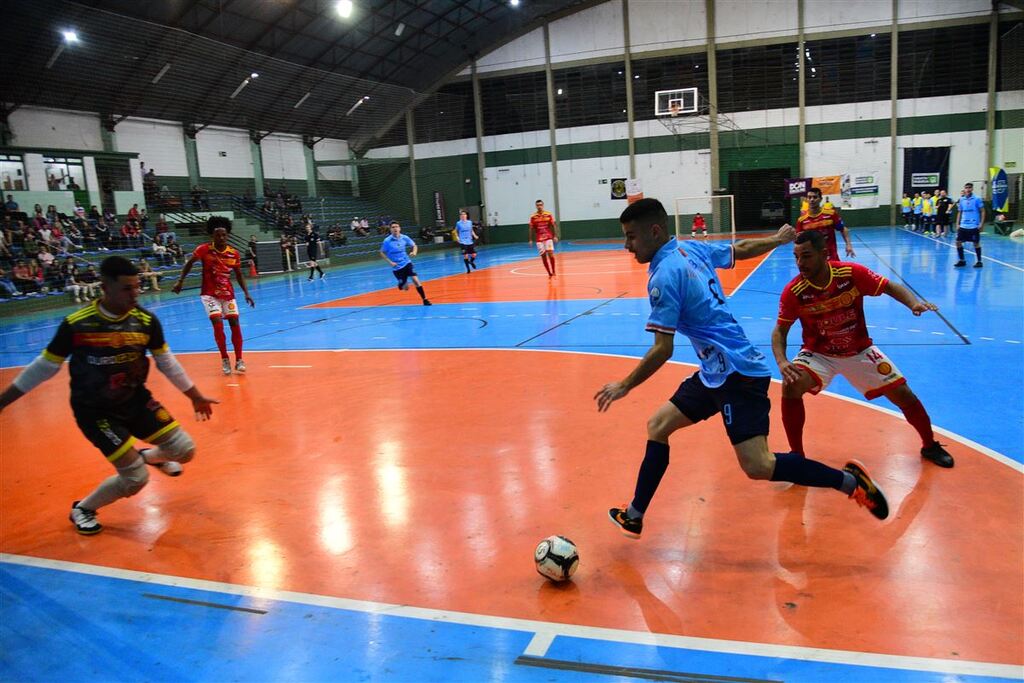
<point>365,503</point>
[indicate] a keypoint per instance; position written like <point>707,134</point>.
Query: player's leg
<point>549,245</point>
<point>745,407</point>
<point>690,404</point>
<point>977,247</point>
<point>543,256</point>
<point>231,314</point>
<point>419,288</point>
<point>215,310</point>
<point>472,256</point>
<point>153,424</point>
<point>313,267</point>
<point>817,373</point>
<point>402,275</point>
<point>912,408</point>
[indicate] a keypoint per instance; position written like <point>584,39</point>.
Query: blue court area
<point>63,621</point>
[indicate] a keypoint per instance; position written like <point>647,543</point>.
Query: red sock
<point>236,340</point>
<point>917,416</point>
<point>551,257</point>
<point>793,420</point>
<point>218,335</point>
<point>544,258</point>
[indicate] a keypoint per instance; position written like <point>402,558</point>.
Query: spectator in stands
<point>174,250</point>
<point>18,231</point>
<point>5,245</point>
<point>45,257</point>
<point>103,235</point>
<point>22,278</point>
<point>133,213</point>
<point>247,200</point>
<point>146,272</point>
<point>53,182</point>
<point>336,235</point>
<point>7,286</point>
<point>66,241</point>
<point>79,210</point>
<point>39,220</point>
<point>35,273</point>
<point>52,215</point>
<point>7,227</point>
<point>11,206</point>
<point>30,245</point>
<point>163,231</point>
<point>109,216</point>
<point>143,217</point>
<point>44,234</point>
<point>69,271</point>
<point>356,228</point>
<point>426,234</point>
<point>73,186</point>
<point>94,215</point>
<point>131,235</point>
<point>200,198</point>
<point>90,279</point>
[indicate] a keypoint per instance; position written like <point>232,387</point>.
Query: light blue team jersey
<point>686,296</point>
<point>465,229</point>
<point>394,249</point>
<point>970,211</point>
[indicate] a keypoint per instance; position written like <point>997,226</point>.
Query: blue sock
<point>651,470</point>
<point>799,470</point>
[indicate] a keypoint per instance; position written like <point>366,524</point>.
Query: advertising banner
<point>634,190</point>
<point>1000,189</point>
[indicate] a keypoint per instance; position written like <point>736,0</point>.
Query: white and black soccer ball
<point>556,558</point>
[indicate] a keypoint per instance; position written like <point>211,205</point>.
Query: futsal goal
<point>718,212</point>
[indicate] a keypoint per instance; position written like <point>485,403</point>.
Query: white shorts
<point>870,371</point>
<point>218,308</point>
<point>545,245</point>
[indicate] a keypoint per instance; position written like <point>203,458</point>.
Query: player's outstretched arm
<point>34,374</point>
<point>849,245</point>
<point>907,298</point>
<point>656,356</point>
<point>790,372</point>
<point>749,248</point>
<point>185,270</point>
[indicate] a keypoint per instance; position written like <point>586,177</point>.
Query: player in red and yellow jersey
<point>219,260</point>
<point>827,297</point>
<point>827,221</point>
<point>545,231</point>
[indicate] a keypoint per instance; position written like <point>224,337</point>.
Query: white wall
<point>42,127</point>
<point>966,157</point>
<point>511,191</point>
<point>524,51</point>
<point>754,19</point>
<point>594,32</point>
<point>160,144</point>
<point>666,24</point>
<point>835,15</point>
<point>237,162</point>
<point>668,175</point>
<point>913,11</point>
<point>581,194</point>
<point>283,157</point>
<point>858,155</point>
<point>332,150</point>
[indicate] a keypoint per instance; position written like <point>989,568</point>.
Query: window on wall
<point>943,61</point>
<point>513,104</point>
<point>64,173</point>
<point>854,69</point>
<point>447,114</point>
<point>1010,56</point>
<point>590,95</point>
<point>667,73</point>
<point>12,172</point>
<point>755,78</point>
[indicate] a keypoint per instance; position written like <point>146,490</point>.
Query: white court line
<point>754,270</point>
<point>953,246</point>
<point>542,629</point>
<point>540,643</point>
<point>290,366</point>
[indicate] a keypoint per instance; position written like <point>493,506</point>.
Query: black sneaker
<point>938,455</point>
<point>84,520</point>
<point>978,264</point>
<point>867,494</point>
<point>630,528</point>
<point>426,302</point>
<point>960,264</point>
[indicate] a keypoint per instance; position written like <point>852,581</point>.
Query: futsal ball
<point>556,558</point>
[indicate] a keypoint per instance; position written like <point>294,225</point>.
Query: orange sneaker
<point>867,494</point>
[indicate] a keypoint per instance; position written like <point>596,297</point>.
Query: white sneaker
<point>240,366</point>
<point>225,366</point>
<point>84,520</point>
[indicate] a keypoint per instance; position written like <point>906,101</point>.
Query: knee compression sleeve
<point>132,479</point>
<point>177,446</point>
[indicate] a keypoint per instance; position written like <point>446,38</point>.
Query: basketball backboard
<point>675,102</point>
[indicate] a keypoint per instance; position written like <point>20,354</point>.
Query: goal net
<point>716,211</point>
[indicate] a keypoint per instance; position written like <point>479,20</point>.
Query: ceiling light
<point>69,36</point>
<point>299,103</point>
<point>344,8</point>
<point>161,73</point>
<point>253,75</point>
<point>559,92</point>
<point>399,29</point>
<point>514,3</point>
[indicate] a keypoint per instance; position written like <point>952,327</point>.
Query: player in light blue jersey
<point>970,219</point>
<point>686,297</point>
<point>393,250</point>
<point>467,236</point>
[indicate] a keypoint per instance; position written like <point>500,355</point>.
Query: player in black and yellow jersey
<point>107,342</point>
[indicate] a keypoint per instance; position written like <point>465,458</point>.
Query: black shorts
<point>943,219</point>
<point>405,272</point>
<point>468,249</point>
<point>968,235</point>
<point>113,429</point>
<point>743,402</point>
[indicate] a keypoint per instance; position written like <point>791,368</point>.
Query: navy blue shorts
<point>742,401</point>
<point>404,273</point>
<point>968,235</point>
<point>468,249</point>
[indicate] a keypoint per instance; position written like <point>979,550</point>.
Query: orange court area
<point>581,275</point>
<point>306,490</point>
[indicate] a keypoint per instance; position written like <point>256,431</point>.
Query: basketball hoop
<point>674,108</point>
